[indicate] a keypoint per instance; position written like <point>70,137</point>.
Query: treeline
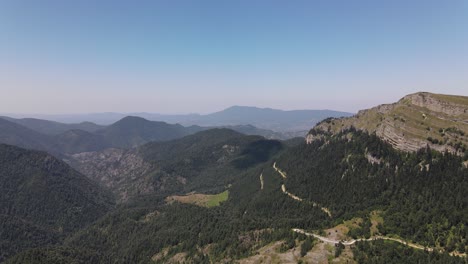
<point>247,221</point>
<point>422,195</point>
<point>381,251</point>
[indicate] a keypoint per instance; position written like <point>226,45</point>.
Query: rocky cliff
<point>415,121</point>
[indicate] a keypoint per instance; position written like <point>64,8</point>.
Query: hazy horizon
<point>176,57</point>
<point>155,113</point>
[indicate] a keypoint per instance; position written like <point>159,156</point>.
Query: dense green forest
<point>381,251</point>
<point>55,138</point>
<point>258,217</point>
<point>423,195</point>
<point>43,200</point>
<point>203,157</point>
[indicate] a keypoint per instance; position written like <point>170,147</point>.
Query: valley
<point>233,132</point>
<point>141,191</point>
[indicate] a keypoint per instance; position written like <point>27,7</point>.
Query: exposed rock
<point>414,122</point>
<point>372,159</point>
<point>115,168</point>
<point>310,138</point>
<point>435,104</point>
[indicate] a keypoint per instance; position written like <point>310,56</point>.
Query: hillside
<point>221,196</point>
<point>51,127</point>
<point>126,133</point>
<point>354,172</point>
<point>206,161</point>
<point>42,199</point>
<point>272,119</point>
<point>18,135</point>
<point>419,198</point>
<point>266,133</point>
<point>77,141</point>
<point>133,131</point>
<point>414,122</point>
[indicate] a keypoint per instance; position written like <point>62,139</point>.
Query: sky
<point>201,56</point>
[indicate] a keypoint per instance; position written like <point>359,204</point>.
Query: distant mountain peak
<point>132,119</point>
<point>235,108</point>
<point>132,131</point>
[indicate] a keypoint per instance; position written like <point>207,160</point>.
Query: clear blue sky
<point>175,56</point>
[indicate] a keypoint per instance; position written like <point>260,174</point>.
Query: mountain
<point>132,131</point>
<point>105,118</point>
<point>126,133</point>
<point>42,200</point>
<point>77,141</point>
<point>205,161</point>
<point>347,194</point>
<point>269,134</point>
<point>18,135</point>
<point>353,171</point>
<point>295,121</point>
<point>414,122</point>
<point>51,127</point>
<point>267,118</point>
<point>348,185</point>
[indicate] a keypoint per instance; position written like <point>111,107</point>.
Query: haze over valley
<point>233,132</point>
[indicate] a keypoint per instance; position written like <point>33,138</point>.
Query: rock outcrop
<point>414,122</point>
<point>125,172</point>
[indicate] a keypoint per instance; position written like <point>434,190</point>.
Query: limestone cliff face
<point>436,103</point>
<point>416,121</point>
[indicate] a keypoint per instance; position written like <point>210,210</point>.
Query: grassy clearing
<point>353,223</point>
<point>216,200</point>
<point>203,200</point>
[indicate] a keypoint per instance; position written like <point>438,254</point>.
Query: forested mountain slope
<point>17,135</point>
<point>51,127</point>
<point>129,132</point>
<point>133,131</point>
<point>42,200</point>
<point>126,133</point>
<point>351,181</point>
<point>351,173</point>
<point>206,161</point>
<point>422,195</point>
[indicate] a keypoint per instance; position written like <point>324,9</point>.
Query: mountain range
<point>51,127</point>
<point>131,131</point>
<point>263,118</point>
<point>126,133</point>
<point>375,187</point>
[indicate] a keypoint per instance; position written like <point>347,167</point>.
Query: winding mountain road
<point>353,241</point>
<point>295,197</point>
<point>282,173</point>
<point>349,242</point>
<point>261,181</point>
